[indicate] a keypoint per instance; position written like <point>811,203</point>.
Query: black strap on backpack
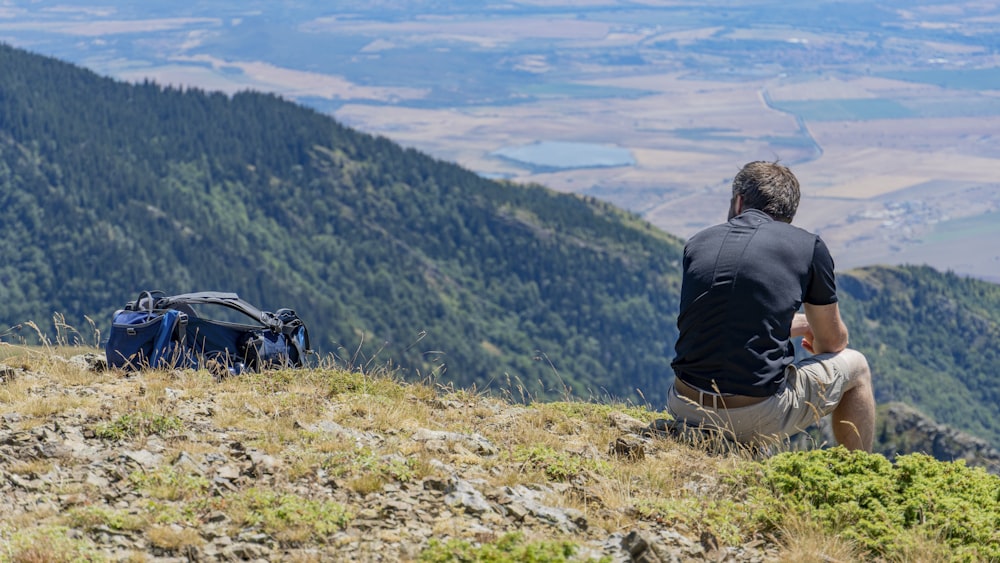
<point>284,321</point>
<point>231,300</point>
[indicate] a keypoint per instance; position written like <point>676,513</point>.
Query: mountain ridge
<point>388,254</point>
<point>392,257</point>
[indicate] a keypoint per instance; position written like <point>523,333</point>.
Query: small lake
<point>559,155</point>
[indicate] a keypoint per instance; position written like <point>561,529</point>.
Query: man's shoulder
<point>708,236</point>
<point>790,230</point>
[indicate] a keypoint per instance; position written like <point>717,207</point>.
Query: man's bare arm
<point>825,332</point>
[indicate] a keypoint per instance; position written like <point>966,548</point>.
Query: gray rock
<point>566,519</point>
<point>30,485</point>
<point>229,472</point>
<point>145,459</point>
<point>244,552</point>
<point>626,423</point>
<point>90,362</point>
<point>96,480</point>
<point>907,424</point>
<point>330,427</point>
<point>464,494</point>
<point>627,447</point>
<point>8,374</point>
<point>186,462</point>
<point>261,464</point>
<point>477,443</point>
<point>643,548</point>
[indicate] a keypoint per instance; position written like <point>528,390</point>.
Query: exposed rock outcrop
<point>903,429</point>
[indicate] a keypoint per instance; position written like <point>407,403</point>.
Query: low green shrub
<point>884,507</point>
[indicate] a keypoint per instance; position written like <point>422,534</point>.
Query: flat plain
<point>888,114</point>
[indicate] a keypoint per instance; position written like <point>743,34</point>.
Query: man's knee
<point>859,371</point>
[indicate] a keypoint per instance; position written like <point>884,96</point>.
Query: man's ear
<point>735,206</point>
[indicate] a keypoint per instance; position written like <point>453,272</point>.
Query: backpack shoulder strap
<point>146,302</point>
<point>231,300</point>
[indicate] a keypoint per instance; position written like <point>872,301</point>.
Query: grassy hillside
<point>108,189</point>
<point>330,465</point>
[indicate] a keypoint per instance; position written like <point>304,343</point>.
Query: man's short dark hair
<point>769,187</point>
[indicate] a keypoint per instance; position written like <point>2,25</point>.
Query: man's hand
<point>824,332</point>
<point>807,342</point>
<point>800,327</point>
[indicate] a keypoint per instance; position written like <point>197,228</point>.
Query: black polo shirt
<point>743,282</point>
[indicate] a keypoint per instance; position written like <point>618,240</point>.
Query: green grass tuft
<point>288,517</point>
<point>557,465</point>
<point>131,425</point>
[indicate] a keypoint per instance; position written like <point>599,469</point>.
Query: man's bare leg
<point>854,417</point>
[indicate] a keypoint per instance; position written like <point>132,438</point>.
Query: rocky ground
<point>173,466</point>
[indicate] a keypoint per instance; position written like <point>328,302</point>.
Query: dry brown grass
<point>173,538</point>
<point>561,450</point>
<point>31,467</point>
<point>805,542</point>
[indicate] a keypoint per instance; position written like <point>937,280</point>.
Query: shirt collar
<point>752,217</point>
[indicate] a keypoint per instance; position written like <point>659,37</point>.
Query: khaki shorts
<point>812,389</point>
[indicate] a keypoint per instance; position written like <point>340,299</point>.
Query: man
<point>743,284</point>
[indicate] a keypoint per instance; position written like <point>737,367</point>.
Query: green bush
<point>884,507</point>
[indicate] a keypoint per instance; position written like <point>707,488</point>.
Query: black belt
<point>714,400</point>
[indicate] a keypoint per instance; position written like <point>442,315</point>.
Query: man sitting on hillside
<point>743,284</point>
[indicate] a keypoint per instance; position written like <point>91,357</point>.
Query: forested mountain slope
<point>108,188</point>
<point>390,256</point>
<point>932,341</point>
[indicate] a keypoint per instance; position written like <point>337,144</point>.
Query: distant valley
<point>887,113</point>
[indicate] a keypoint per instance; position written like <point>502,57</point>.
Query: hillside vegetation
<point>108,189</point>
<point>328,464</point>
<point>933,341</point>
<point>393,258</point>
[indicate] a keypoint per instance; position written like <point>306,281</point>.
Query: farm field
<point>888,114</point>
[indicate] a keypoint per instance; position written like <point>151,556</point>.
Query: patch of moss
<point>343,382</point>
<point>288,517</point>
<point>132,425</point>
<point>364,461</point>
<point>557,465</point>
<point>884,507</point>
<point>46,543</point>
<point>95,516</point>
<point>170,483</point>
<point>508,548</point>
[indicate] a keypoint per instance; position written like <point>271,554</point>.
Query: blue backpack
<point>161,331</point>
